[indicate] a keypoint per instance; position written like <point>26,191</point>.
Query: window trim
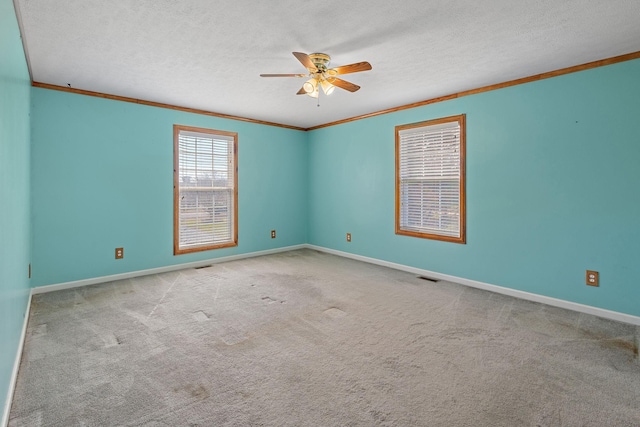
<point>176,190</point>
<point>461,119</point>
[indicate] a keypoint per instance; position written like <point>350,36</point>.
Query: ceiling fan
<point>321,76</point>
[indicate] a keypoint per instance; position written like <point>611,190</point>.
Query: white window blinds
<point>430,181</point>
<point>205,190</point>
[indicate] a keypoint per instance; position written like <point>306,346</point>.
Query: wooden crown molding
<point>542,76</point>
<point>547,75</point>
<point>160,105</point>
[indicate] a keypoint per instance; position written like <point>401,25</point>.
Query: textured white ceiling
<point>208,54</point>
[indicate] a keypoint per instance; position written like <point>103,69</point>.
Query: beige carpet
<point>309,339</point>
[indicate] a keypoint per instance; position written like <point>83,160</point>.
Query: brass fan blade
<point>301,91</point>
<point>343,84</point>
<point>306,61</point>
<point>353,68</point>
<point>283,75</point>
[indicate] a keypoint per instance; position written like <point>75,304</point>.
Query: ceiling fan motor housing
<point>320,60</point>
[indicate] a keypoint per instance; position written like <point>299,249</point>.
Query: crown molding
<point>523,80</point>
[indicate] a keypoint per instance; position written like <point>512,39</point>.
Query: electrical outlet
<point>348,237</point>
<point>593,278</point>
<point>119,253</point>
<point>273,234</point>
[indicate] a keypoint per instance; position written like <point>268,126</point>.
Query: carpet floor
<point>304,338</point>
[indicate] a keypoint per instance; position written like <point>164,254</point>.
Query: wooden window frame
<point>176,190</point>
<point>461,119</point>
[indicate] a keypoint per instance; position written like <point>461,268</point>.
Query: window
<point>205,189</point>
<point>430,195</point>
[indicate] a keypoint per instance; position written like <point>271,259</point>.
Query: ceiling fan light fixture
<point>327,87</point>
<point>310,86</point>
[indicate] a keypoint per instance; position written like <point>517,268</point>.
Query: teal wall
<point>552,188</point>
<point>551,184</point>
<point>102,177</point>
<point>14,191</point>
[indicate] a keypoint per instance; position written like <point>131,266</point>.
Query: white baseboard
<point>587,309</point>
<point>595,311</point>
<point>138,273</point>
<point>16,366</point>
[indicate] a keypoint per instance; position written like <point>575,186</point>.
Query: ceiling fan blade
<point>353,68</point>
<point>343,84</point>
<point>283,75</point>
<point>306,61</point>
<point>301,91</point>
